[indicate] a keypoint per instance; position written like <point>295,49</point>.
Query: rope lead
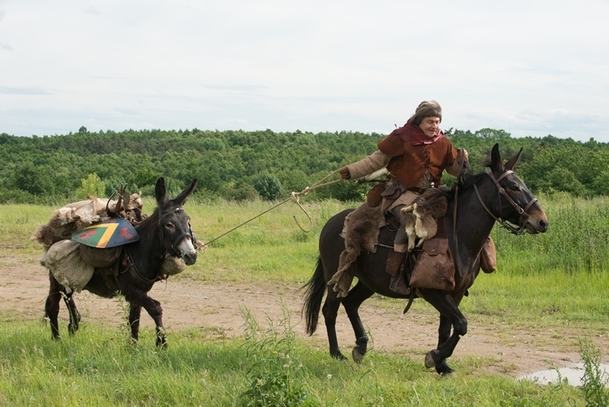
<point>294,197</point>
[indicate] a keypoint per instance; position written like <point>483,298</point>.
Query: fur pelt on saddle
<point>421,217</point>
<point>362,226</point>
<point>360,233</point>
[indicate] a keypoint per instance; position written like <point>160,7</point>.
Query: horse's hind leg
<point>354,299</point>
<point>329,311</point>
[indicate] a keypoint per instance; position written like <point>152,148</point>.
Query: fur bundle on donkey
<point>72,263</point>
<point>79,215</point>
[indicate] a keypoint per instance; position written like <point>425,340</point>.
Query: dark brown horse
<point>166,232</point>
<point>481,199</point>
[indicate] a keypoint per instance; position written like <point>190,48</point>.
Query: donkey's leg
<point>51,306</point>
<point>450,316</point>
<point>329,311</point>
<point>352,301</point>
<point>135,311</point>
<point>138,298</point>
<point>73,312</point>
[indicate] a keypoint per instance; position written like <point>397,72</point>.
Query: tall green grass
<point>543,280</point>
<point>577,240</point>
<point>264,368</point>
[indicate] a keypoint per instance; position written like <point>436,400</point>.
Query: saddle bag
<point>435,267</point>
<point>99,257</point>
<point>69,269</point>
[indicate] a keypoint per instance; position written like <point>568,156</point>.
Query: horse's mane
<point>468,179</point>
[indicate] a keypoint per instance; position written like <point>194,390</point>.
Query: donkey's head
<point>174,222</point>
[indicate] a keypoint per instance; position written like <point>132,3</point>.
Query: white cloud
<point>531,68</point>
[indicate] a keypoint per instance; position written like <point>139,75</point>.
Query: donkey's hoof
<point>357,355</point>
<point>432,358</point>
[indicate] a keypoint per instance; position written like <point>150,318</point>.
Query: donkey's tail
<point>316,287</point>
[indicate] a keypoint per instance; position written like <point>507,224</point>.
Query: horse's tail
<point>316,287</point>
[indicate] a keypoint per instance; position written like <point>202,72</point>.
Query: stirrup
<point>396,287</point>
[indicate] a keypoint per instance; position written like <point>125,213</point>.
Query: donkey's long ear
<point>510,164</point>
<point>184,195</point>
<point>160,192</point>
<point>496,162</point>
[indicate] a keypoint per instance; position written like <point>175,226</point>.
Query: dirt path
<point>213,306</point>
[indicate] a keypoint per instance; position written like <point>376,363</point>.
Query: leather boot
<point>397,284</point>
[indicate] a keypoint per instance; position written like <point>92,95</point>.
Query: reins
<point>294,197</point>
<point>456,201</point>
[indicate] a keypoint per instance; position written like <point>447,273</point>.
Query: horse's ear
<point>510,164</point>
<point>496,162</point>
<point>160,192</point>
<point>184,195</point>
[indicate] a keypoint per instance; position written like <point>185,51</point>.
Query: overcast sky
<point>531,68</point>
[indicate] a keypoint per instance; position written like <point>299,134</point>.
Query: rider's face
<point>430,126</point>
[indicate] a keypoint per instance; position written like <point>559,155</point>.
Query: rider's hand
<point>344,173</point>
<point>464,155</point>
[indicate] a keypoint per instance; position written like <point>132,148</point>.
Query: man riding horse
<point>415,156</point>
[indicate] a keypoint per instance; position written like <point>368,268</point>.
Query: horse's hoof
<point>338,356</point>
<point>431,358</point>
<point>447,371</point>
<point>357,355</point>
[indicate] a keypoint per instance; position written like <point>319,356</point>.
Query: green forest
<point>243,165</point>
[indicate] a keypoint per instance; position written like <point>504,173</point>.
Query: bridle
<point>524,216</point>
<point>176,242</point>
<point>500,191</point>
<point>129,264</point>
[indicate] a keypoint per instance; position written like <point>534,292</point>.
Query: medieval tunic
<point>414,160</point>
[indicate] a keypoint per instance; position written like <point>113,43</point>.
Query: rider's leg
<point>395,259</point>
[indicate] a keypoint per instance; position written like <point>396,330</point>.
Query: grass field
<point>551,280</point>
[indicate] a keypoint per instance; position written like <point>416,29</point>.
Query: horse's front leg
<point>138,298</point>
<point>443,336</point>
<point>450,316</point>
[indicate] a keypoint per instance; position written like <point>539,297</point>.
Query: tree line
<point>244,165</point>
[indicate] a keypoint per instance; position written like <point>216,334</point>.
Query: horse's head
<point>174,222</point>
<point>516,203</point>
